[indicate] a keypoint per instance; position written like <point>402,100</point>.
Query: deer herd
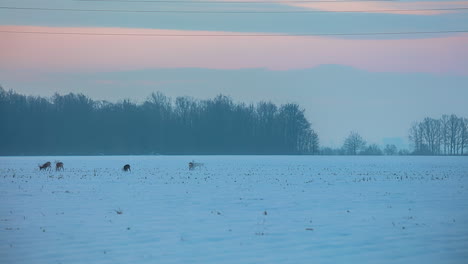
<point>59,166</point>
<point>48,166</point>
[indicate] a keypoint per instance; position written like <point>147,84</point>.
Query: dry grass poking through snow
<point>252,209</point>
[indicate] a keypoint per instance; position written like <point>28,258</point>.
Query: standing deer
<point>126,167</point>
<point>58,165</point>
<point>45,166</point>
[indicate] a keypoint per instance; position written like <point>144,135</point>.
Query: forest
<point>74,124</point>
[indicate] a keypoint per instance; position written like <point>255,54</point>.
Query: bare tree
<point>353,144</point>
<point>463,135</point>
<point>431,129</point>
<point>416,137</point>
<point>308,142</point>
<point>447,135</point>
<point>372,149</point>
<point>454,126</point>
<point>390,150</point>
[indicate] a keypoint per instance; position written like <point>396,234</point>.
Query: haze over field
<point>374,84</point>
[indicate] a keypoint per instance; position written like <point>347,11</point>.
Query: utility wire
<point>234,35</point>
<point>234,2</point>
<point>231,12</point>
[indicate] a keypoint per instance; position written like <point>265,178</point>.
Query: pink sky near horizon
<point>386,7</point>
<point>445,54</point>
<point>381,7</point>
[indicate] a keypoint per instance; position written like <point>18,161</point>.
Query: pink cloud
<point>115,53</point>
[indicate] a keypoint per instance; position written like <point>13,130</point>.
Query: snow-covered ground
<point>235,209</point>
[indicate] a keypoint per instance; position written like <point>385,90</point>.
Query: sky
<point>376,85</point>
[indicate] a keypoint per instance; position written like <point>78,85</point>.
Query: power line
<point>231,12</point>
<point>234,35</point>
<point>235,2</point>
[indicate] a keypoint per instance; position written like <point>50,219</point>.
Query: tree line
<point>354,144</point>
<point>74,124</point>
<point>447,135</point>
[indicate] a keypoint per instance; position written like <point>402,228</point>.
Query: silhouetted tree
<point>372,149</point>
<point>353,144</point>
<point>404,152</point>
<point>447,135</point>
<point>390,150</point>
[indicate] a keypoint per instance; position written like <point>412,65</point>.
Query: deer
<point>192,165</point>
<point>126,167</point>
<point>58,165</point>
<point>45,166</point>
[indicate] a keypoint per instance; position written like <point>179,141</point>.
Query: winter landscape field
<point>235,209</point>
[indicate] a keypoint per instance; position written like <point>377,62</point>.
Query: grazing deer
<point>45,166</point>
<point>58,165</point>
<point>126,168</point>
<point>192,165</point>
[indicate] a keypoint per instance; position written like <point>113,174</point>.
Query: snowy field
<point>235,209</point>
